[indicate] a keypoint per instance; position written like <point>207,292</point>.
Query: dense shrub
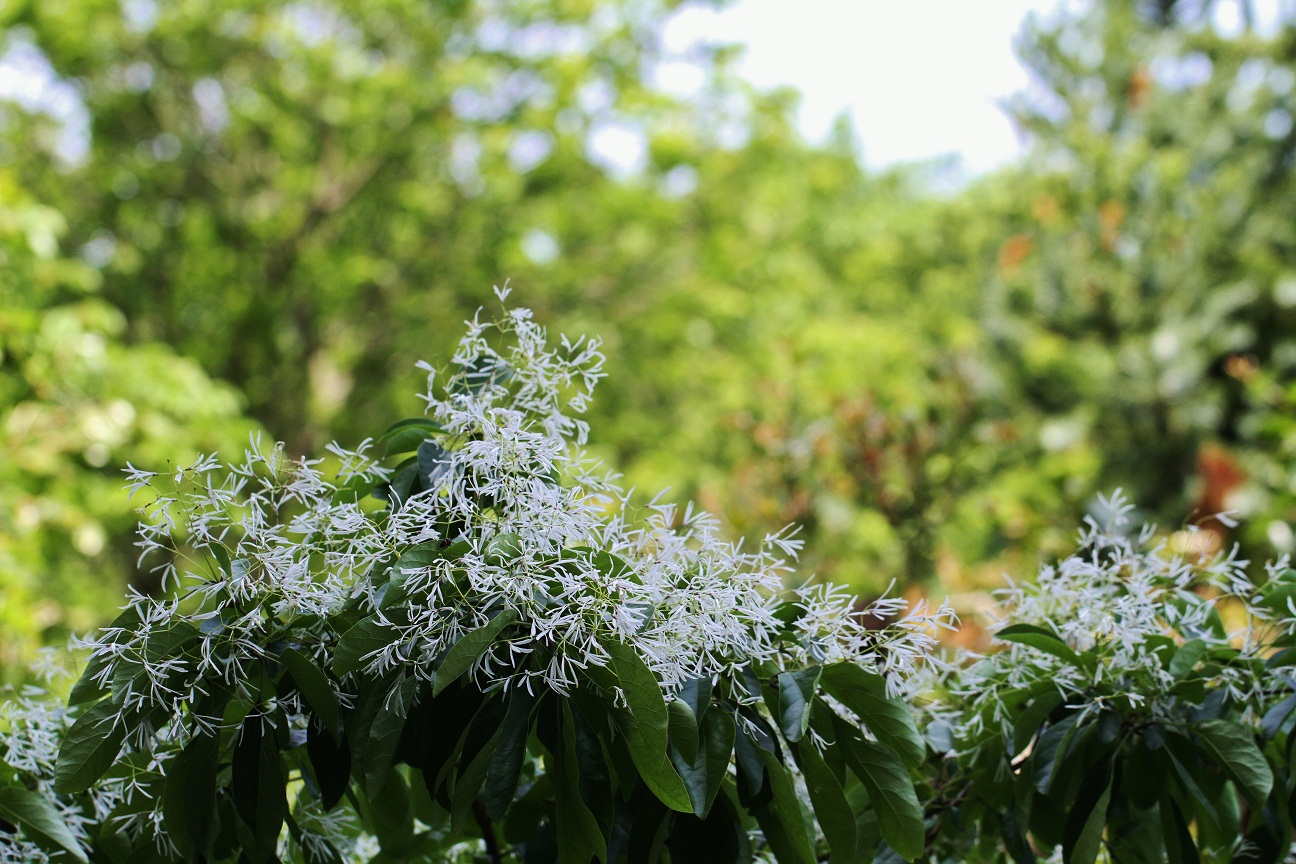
<point>497,655</point>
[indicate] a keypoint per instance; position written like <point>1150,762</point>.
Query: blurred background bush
<point>218,218</point>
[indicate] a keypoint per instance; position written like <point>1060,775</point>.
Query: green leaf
<point>890,720</point>
<point>1029,721</point>
<point>503,548</point>
<point>172,641</point>
<point>390,815</point>
<point>1082,837</point>
<point>407,435</point>
<point>416,557</point>
<point>1040,639</point>
<point>434,462</point>
<point>1185,659</point>
<point>510,753</point>
<point>1189,784</point>
<point>1275,716</point>
<point>315,687</point>
<point>683,728</point>
<point>357,644</point>
<point>796,693</point>
<point>835,815</point>
<point>781,820</point>
<point>89,748</point>
<point>1051,748</point>
<point>464,653</point>
<point>579,836</point>
<point>331,760</point>
<point>645,726</point>
<point>470,779</point>
<point>1233,748</point>
<point>222,558</point>
<point>258,787</point>
<point>704,775</point>
<point>883,774</point>
<point>87,689</point>
<point>409,423</point>
<point>189,797</point>
<point>39,819</point>
<point>1179,843</point>
<point>376,746</point>
<point>696,693</point>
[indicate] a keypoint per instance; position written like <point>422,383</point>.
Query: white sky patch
<point>919,80</point>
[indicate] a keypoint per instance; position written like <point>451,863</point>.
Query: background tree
<point>307,198</point>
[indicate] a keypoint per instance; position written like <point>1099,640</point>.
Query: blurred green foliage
<point>76,402</point>
<point>301,199</point>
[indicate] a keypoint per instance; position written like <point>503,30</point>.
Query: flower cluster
<point>544,534</point>
<point>1125,603</point>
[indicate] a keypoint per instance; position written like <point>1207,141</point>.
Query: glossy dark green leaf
<point>891,792</point>
<point>1039,638</point>
<point>503,548</point>
<point>1186,658</point>
<point>452,715</point>
<point>1197,798</point>
<point>475,761</point>
<point>646,726</point>
<point>174,640</point>
<point>781,820</point>
<point>510,752</point>
<point>222,558</point>
<point>1179,844</point>
<point>1029,721</point>
<point>796,693</point>
<point>704,775</point>
<point>330,762</point>
<point>87,688</point>
<point>376,743</point>
<point>1233,749</point>
<point>315,688</point>
<point>406,436</point>
<point>434,463</point>
<point>357,644</point>
<point>651,820</point>
<point>683,727</point>
<point>39,819</point>
<point>417,557</point>
<point>1052,746</point>
<point>579,835</point>
<point>1134,834</point>
<point>258,787</point>
<point>390,817</point>
<point>696,693</point>
<point>1014,840</point>
<point>468,650</point>
<point>1082,837</point>
<point>835,815</point>
<point>752,789</point>
<point>1277,715</point>
<point>890,720</point>
<point>189,802</point>
<point>89,748</point>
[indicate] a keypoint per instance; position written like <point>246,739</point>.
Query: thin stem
<point>487,827</point>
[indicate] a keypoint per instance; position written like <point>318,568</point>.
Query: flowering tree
<point>501,659</point>
<point>496,657</point>
<point>1123,713</point>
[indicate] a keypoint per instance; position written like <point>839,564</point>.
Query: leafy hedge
<point>474,647</point>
